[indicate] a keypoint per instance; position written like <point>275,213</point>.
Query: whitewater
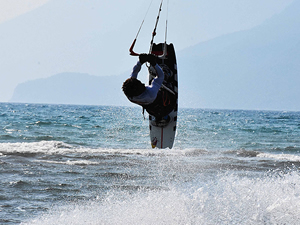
<point>68,164</point>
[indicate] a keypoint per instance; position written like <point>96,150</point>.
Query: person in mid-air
<point>157,101</point>
<point>135,90</point>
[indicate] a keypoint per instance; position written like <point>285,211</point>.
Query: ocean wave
<point>228,199</point>
<point>280,157</point>
<point>153,152</point>
<point>6,137</point>
<point>43,123</point>
<point>61,148</point>
<point>42,147</point>
<point>70,162</point>
<point>58,147</point>
<point>242,153</point>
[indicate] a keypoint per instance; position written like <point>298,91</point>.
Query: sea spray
<point>66,164</point>
<point>229,199</point>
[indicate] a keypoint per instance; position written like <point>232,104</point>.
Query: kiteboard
<point>163,111</point>
<point>162,123</point>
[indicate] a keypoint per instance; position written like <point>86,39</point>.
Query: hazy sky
<point>10,9</point>
<point>212,18</point>
<point>42,49</point>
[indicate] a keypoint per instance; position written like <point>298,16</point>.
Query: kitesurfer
<point>156,101</point>
<point>135,90</point>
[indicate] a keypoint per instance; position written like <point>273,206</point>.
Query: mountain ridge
<point>82,88</point>
<point>251,69</point>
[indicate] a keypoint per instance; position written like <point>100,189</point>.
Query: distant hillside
<point>253,69</point>
<point>72,88</point>
<point>65,36</point>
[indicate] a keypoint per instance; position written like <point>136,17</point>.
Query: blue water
<point>66,164</point>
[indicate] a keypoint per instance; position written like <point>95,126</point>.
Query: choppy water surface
<point>64,164</point>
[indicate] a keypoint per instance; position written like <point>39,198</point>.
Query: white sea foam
<point>57,147</point>
<point>69,162</point>
<point>155,152</point>
<point>46,147</point>
<point>229,199</point>
<point>280,157</point>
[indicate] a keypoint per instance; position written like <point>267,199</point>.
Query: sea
<point>75,164</point>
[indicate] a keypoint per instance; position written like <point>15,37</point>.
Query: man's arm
<point>136,69</point>
<point>157,81</point>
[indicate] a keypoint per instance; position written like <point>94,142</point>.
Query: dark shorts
<point>164,103</point>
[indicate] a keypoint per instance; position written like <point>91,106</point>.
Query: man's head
<point>133,87</point>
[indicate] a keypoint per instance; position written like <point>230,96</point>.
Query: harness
<point>163,104</point>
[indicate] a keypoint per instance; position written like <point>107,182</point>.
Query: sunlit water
<point>63,164</point>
